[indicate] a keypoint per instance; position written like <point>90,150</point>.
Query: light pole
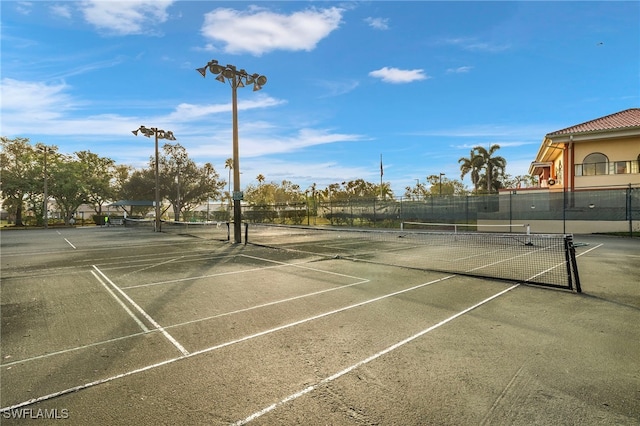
<point>441,174</point>
<point>45,214</point>
<point>159,134</point>
<point>236,78</point>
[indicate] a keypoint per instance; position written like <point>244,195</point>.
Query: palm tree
<point>260,178</point>
<point>494,165</point>
<point>472,165</point>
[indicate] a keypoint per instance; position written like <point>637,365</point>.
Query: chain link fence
<point>601,210</point>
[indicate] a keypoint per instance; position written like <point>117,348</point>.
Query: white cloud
<point>337,88</point>
<point>378,23</point>
<point>190,112</point>
<point>459,70</point>
<point>36,108</point>
<point>61,11</point>
<point>24,7</point>
<point>468,43</point>
<point>125,18</point>
<point>301,173</point>
<point>492,132</point>
<point>257,145</point>
<point>396,75</point>
<point>257,31</point>
<point>31,97</point>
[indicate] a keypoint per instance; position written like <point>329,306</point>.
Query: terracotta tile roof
<point>619,120</point>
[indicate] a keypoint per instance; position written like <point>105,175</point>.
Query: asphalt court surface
<point>126,326</point>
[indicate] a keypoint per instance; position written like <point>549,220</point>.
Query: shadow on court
<point>127,326</point>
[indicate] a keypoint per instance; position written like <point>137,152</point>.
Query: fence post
<point>374,212</point>
<point>630,211</point>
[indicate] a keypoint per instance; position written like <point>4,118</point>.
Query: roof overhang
<point>537,167</point>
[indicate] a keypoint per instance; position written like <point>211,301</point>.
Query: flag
<point>381,168</point>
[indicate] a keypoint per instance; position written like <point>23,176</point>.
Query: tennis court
<point>124,325</point>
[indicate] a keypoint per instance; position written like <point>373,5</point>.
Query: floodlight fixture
<point>159,134</point>
<point>236,78</point>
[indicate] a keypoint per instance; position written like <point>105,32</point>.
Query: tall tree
<point>185,184</point>
<point>472,166</point>
<point>98,175</point>
<point>67,185</point>
<point>494,166</point>
<point>22,177</point>
<point>137,185</point>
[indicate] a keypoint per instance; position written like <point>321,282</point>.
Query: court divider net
<point>206,230</point>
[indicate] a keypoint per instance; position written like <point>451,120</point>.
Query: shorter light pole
<point>159,134</point>
<point>45,214</point>
<point>441,174</point>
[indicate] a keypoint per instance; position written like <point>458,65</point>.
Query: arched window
<point>595,164</point>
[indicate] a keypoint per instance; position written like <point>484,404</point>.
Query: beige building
<point>588,180</point>
<point>601,153</point>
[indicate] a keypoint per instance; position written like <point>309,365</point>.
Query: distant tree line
<point>86,178</point>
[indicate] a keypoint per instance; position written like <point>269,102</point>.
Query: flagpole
<point>381,173</point>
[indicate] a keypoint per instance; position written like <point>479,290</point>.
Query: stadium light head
<point>135,132</point>
<point>229,72</point>
<point>238,78</point>
<point>214,68</point>
<point>252,78</point>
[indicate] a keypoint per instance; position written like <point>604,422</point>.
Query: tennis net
<point>543,259</point>
<point>207,230</point>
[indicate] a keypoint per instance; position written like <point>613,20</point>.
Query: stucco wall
<point>568,227</point>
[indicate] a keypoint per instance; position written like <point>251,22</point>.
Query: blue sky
<point>419,83</point>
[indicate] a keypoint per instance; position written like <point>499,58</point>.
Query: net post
<point>568,261</point>
<point>529,242</point>
<point>402,226</point>
<point>246,233</point>
<point>574,264</point>
<point>228,231</point>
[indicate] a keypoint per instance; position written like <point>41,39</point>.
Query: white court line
<point>213,348</point>
<point>275,302</point>
<point>69,242</point>
<point>77,348</point>
<point>154,265</point>
<point>367,360</point>
<point>315,317</point>
<point>301,266</point>
<point>591,249</point>
<point>179,280</point>
<point>243,271</point>
<point>144,314</point>
<point>125,307</point>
